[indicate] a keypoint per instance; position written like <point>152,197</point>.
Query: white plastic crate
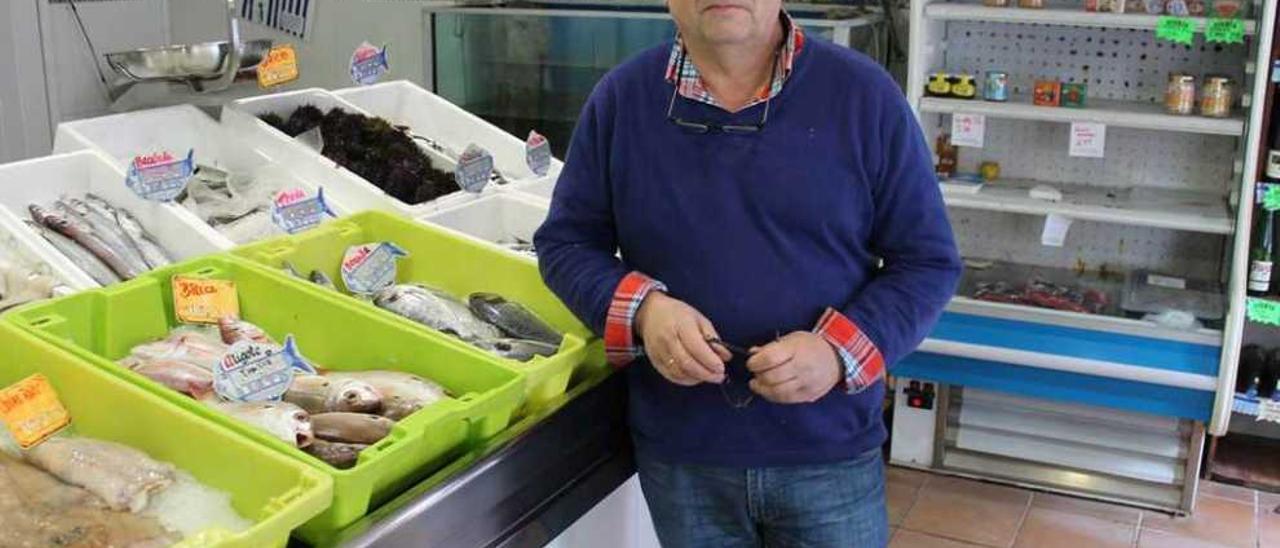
<point>494,219</point>
<point>242,117</point>
<point>540,189</point>
<point>43,180</point>
<point>178,129</point>
<point>19,247</point>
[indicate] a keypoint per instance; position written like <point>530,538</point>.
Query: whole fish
<point>184,377</point>
<point>82,234</point>
<point>402,393</point>
<point>319,278</point>
<point>521,350</point>
<point>283,420</point>
<point>351,427</point>
<point>234,330</point>
<point>339,455</point>
<point>436,309</point>
<point>155,256</point>
<point>79,256</point>
<point>513,319</point>
<point>121,476</point>
<point>105,227</point>
<point>325,394</point>
<point>187,346</point>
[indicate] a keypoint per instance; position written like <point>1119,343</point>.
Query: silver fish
<point>283,420</point>
<point>104,226</point>
<point>151,251</point>
<point>122,476</point>
<point>521,350</point>
<point>326,394</point>
<point>513,319</point>
<point>319,278</point>
<point>402,393</point>
<point>83,234</point>
<point>79,256</point>
<point>435,309</point>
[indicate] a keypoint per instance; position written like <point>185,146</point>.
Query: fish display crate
<point>43,180</point>
<point>404,103</point>
<point>19,247</point>
<point>356,192</point>
<point>494,219</point>
<point>103,325</point>
<point>177,129</point>
<point>447,261</point>
<point>273,491</point>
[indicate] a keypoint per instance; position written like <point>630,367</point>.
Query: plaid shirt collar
<point>692,87</point>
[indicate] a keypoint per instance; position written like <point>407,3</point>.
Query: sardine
<point>513,319</point>
<point>82,234</point>
<point>283,420</point>
<point>402,393</point>
<point>351,427</point>
<point>319,278</point>
<point>338,455</point>
<point>155,255</point>
<point>121,476</point>
<point>234,330</point>
<point>325,394</point>
<point>104,225</point>
<point>79,256</point>
<point>181,376</point>
<point>521,350</point>
<point>436,309</point>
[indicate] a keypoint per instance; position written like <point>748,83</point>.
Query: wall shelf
<point>1065,17</point>
<point>1130,114</point>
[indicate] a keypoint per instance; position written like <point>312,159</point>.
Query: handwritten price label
<point>1271,198</point>
<point>252,371</point>
<point>280,66</point>
<point>1178,30</point>
<point>31,410</point>
<point>968,130</point>
<point>368,268</point>
<point>1224,31</point>
<point>1263,311</point>
<point>197,300</point>
<point>1088,140</point>
<point>161,176</point>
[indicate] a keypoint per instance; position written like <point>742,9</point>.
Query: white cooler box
<point>495,219</point>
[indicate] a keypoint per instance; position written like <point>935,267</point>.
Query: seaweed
<point>372,148</point>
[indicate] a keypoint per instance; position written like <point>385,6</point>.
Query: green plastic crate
<point>103,325</point>
<point>276,492</point>
<point>447,261</point>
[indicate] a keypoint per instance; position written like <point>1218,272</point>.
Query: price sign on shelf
<point>1055,230</point>
<point>1224,31</point>
<point>1088,140</point>
<point>1269,410</point>
<point>1271,198</point>
<point>1263,311</point>
<point>968,130</point>
<point>199,300</point>
<point>30,409</point>
<point>280,66</point>
<point>1179,30</point>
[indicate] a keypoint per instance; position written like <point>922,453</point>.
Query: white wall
<point>24,111</point>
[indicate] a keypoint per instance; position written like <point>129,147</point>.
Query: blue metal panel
<point>1058,386</point>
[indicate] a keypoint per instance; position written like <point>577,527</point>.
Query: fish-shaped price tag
<point>252,371</point>
<point>279,66</point>
<point>200,300</point>
<point>368,64</point>
<point>370,267</point>
<point>475,167</point>
<point>537,153</point>
<point>294,211</point>
<point>31,411</point>
<point>160,177</point>
<point>294,358</point>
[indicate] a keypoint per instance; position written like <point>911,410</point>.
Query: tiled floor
<point>935,511</point>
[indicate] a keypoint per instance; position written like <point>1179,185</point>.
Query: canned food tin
<point>996,86</point>
<point>1073,94</point>
<point>939,85</point>
<point>1047,93</point>
<point>1180,96</point>
<point>1217,96</point>
<point>963,87</point>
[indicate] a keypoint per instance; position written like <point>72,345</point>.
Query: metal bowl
<point>205,61</point>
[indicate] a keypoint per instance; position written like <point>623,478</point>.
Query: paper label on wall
<point>537,153</point>
<point>279,66</point>
<point>199,300</point>
<point>31,411</point>
<point>370,267</point>
<point>1055,230</point>
<point>475,167</point>
<point>1166,281</point>
<point>968,130</point>
<point>160,177</point>
<point>294,211</point>
<point>1269,410</point>
<point>1088,140</point>
<point>252,371</point>
<point>1262,311</point>
<point>368,64</point>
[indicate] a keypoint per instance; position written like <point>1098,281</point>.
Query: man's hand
<point>798,368</point>
<point>675,339</point>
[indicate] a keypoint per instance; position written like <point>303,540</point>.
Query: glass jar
<point>1031,3</point>
<point>1217,96</point>
<point>1180,96</point>
<point>995,3</point>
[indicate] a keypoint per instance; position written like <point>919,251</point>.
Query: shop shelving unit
<point>1045,397</point>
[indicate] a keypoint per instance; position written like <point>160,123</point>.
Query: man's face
<point>721,22</point>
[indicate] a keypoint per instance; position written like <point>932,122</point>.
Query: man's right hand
<point>675,339</point>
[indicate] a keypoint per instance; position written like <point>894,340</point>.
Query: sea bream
<point>326,394</point>
<point>435,309</point>
<point>351,427</point>
<point>184,377</point>
<point>521,350</point>
<point>283,420</point>
<point>513,319</point>
<point>402,393</point>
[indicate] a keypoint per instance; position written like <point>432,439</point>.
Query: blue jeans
<point>838,505</point>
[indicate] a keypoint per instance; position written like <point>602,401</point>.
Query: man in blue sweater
<point>753,180</point>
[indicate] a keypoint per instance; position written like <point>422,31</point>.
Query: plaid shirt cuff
<point>862,362</point>
<point>619,325</point>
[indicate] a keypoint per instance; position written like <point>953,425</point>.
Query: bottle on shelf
<point>1273,141</point>
<point>1252,360</point>
<point>1260,252</point>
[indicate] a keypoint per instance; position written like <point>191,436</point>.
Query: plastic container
<point>274,491</point>
<point>104,325</point>
<point>179,129</point>
<point>539,189</point>
<point>404,103</point>
<point>353,190</point>
<point>445,260</point>
<point>1147,292</point>
<point>19,247</point>
<point>43,180</point>
<point>494,220</point>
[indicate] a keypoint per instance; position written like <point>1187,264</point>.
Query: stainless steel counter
<point>524,488</point>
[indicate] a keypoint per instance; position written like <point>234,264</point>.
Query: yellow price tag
<point>279,66</point>
<point>197,300</point>
<point>31,411</point>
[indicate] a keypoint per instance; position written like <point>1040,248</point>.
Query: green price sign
<point>1224,31</point>
<point>1178,30</point>
<point>1271,198</point>
<point>1263,311</point>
